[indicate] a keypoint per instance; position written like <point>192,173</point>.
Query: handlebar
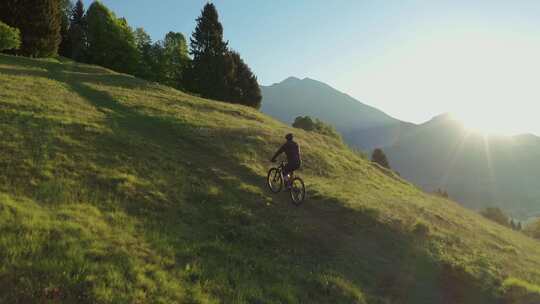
<point>282,163</point>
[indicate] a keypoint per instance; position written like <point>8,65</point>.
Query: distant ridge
<point>294,97</point>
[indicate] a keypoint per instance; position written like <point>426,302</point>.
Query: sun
<point>484,124</point>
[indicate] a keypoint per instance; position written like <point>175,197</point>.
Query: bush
<point>10,37</point>
<point>315,125</point>
<point>379,157</point>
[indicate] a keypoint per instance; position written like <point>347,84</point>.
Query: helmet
<point>289,136</point>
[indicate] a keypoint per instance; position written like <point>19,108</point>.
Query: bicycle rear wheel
<point>298,191</point>
<point>274,180</point>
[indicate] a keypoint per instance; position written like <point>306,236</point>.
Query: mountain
<point>116,190</point>
<point>295,97</point>
<point>477,170</point>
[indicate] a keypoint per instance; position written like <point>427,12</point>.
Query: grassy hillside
<point>115,190</point>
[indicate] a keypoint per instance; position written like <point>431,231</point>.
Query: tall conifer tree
<point>77,32</point>
<point>39,23</point>
<point>208,73</point>
<point>66,7</point>
<point>243,86</point>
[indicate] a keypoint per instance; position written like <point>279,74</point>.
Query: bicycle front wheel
<point>274,180</point>
<point>298,191</point>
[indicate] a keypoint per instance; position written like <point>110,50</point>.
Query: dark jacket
<point>292,150</point>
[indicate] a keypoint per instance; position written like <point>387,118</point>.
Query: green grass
<point>116,190</point>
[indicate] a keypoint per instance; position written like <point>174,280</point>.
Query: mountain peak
<point>290,79</point>
<point>443,117</point>
<point>293,81</point>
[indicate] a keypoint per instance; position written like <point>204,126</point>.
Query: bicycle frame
<point>281,166</point>
<point>280,169</point>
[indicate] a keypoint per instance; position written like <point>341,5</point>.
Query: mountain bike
<point>296,185</point>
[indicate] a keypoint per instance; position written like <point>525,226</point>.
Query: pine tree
<point>207,39</point>
<point>243,86</point>
<point>379,157</point>
<point>77,32</point>
<point>66,7</point>
<point>208,75</point>
<point>39,23</point>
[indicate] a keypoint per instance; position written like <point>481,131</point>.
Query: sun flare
<point>484,124</point>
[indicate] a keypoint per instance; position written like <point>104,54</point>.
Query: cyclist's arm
<point>281,150</point>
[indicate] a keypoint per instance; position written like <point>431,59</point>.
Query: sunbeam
<point>454,156</point>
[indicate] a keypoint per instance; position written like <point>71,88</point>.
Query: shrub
<point>10,37</point>
<point>379,157</point>
<point>315,125</point>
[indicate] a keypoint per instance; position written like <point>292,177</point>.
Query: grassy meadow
<point>116,190</point>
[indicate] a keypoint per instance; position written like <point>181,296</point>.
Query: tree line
<point>315,125</point>
<point>208,67</point>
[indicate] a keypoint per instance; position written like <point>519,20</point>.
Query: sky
<point>413,59</point>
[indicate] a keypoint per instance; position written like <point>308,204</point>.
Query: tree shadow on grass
<point>69,72</point>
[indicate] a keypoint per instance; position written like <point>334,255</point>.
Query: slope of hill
<point>478,171</point>
<point>115,190</point>
<point>295,97</point>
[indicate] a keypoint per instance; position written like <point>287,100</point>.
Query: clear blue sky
<point>412,59</point>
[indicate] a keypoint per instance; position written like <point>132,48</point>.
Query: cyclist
<point>292,150</point>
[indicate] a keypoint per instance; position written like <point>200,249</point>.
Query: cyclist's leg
<point>287,173</point>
